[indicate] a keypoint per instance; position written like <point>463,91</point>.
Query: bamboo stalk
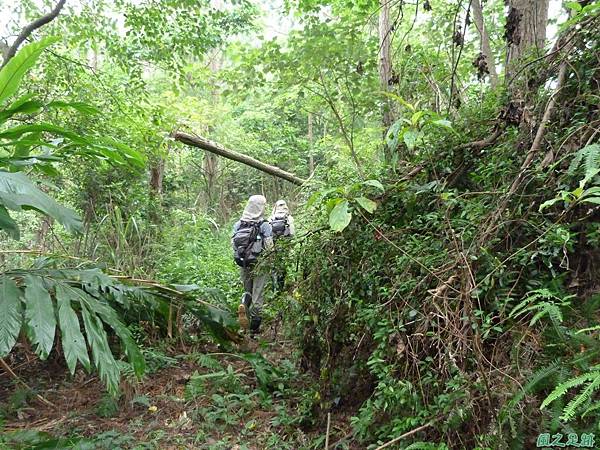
<point>404,436</point>
<point>328,429</point>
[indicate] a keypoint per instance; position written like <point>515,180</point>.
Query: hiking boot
<point>243,317</point>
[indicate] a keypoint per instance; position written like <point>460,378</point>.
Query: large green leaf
<point>103,358</point>
<point>39,315</point>
<point>18,192</point>
<point>340,218</point>
<point>367,204</point>
<point>375,183</point>
<point>12,73</point>
<point>24,105</point>
<point>73,342</point>
<point>120,151</point>
<point>11,315</point>
<point>110,317</point>
<point>20,130</point>
<point>410,138</point>
<point>79,106</point>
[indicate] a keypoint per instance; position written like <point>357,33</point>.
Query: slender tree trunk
<point>211,166</point>
<point>525,30</point>
<point>311,159</point>
<point>486,48</point>
<point>157,173</point>
<point>211,161</point>
<point>385,60</point>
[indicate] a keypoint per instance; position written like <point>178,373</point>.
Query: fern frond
<point>589,158</point>
<point>591,161</point>
<point>563,388</point>
<point>425,446</point>
<point>208,362</point>
<point>550,306</point>
<point>592,408</point>
<point>543,293</point>
<point>585,330</point>
<point>558,404</point>
<point>581,398</point>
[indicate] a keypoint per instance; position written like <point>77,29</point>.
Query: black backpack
<point>280,226</point>
<point>243,242</point>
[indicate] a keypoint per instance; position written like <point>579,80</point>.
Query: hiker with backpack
<point>282,224</point>
<point>251,235</point>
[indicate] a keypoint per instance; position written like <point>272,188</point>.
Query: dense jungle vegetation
<point>441,159</point>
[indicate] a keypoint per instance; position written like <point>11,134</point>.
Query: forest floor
<point>198,398</point>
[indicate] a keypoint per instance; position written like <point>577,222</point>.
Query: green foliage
<point>426,446</point>
<point>75,300</point>
<point>107,406</point>
<point>532,386</point>
<point>10,315</point>
<point>49,295</point>
<point>586,163</point>
<point>341,202</point>
<point>550,306</point>
<point>200,255</point>
<point>30,440</point>
<point>12,73</point>
<point>591,380</point>
<point>16,190</point>
<point>413,131</point>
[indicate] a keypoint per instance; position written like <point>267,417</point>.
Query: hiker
<point>282,224</point>
<point>251,235</point>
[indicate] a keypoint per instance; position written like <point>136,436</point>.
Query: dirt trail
<point>204,398</point>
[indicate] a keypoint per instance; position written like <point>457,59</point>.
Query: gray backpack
<point>243,242</point>
<point>280,226</point>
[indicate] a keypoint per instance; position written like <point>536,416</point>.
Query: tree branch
<point>27,30</point>
<point>218,149</point>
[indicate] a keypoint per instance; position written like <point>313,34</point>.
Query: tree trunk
<point>211,168</point>
<point>486,49</point>
<point>525,30</point>
<point>385,61</point>
<point>157,173</point>
<point>211,161</point>
<point>311,159</point>
<point>218,149</point>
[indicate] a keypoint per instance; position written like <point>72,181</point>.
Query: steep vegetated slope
<point>465,304</point>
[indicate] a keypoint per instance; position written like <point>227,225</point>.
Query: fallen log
<point>218,149</point>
